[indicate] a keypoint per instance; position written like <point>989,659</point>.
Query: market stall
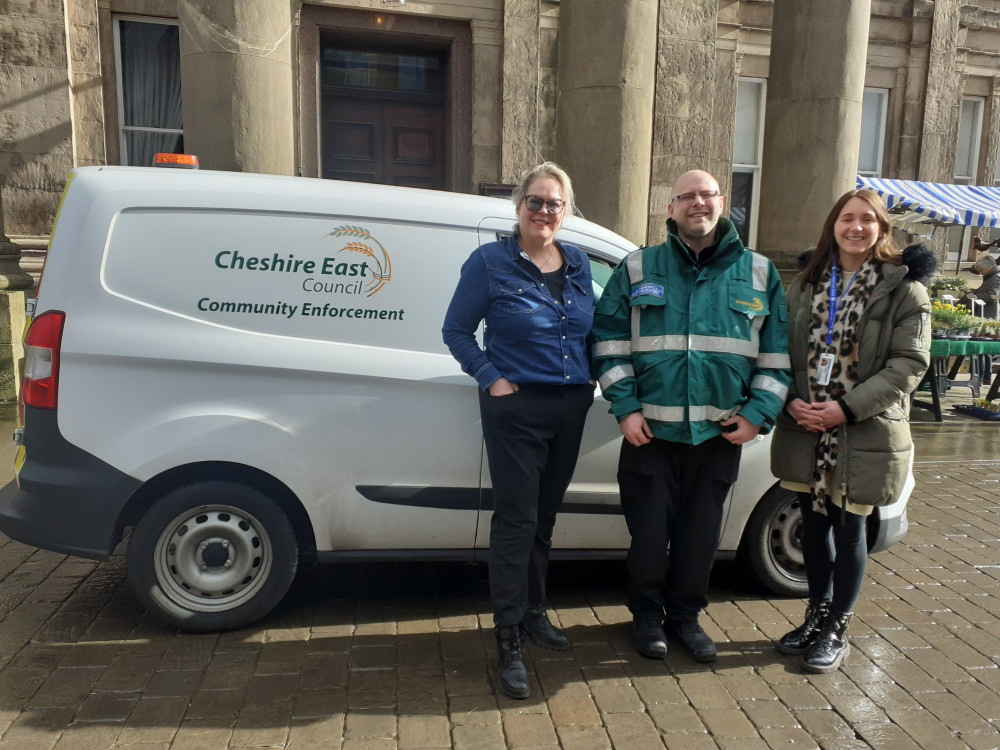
<point>920,208</point>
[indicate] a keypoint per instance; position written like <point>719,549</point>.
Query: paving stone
<point>955,714</point>
<point>529,730</point>
<point>478,737</point>
<point>635,731</point>
<point>91,736</point>
<point>926,729</point>
<point>583,738</point>
<point>768,714</point>
<point>416,732</point>
<point>727,723</point>
<point>574,710</point>
<point>676,718</point>
<point>788,737</point>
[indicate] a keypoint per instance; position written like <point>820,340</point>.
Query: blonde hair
<point>546,169</point>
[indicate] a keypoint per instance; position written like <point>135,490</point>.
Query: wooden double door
<point>383,140</point>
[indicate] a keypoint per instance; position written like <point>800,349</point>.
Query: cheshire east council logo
<point>377,261</point>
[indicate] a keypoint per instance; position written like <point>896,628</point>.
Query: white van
<point>247,370</point>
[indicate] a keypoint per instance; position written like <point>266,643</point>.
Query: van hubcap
<point>785,537</point>
<point>212,558</point>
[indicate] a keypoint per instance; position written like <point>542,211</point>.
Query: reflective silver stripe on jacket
<point>663,413</point>
<point>711,413</point>
<point>612,349</point>
<point>634,265</point>
<point>760,269</point>
<point>723,345</point>
<point>671,343</point>
<point>761,265</point>
<point>612,376</point>
<point>763,382</point>
<point>774,362</point>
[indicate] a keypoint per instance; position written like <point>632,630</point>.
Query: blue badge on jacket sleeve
<point>648,290</point>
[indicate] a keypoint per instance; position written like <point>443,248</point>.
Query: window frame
<point>119,85</point>
<point>880,131</point>
<point>754,170</point>
<point>975,140</point>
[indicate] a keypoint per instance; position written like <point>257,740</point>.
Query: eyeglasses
<point>705,195</point>
<point>535,203</point>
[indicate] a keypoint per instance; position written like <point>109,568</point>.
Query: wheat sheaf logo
<point>379,265</point>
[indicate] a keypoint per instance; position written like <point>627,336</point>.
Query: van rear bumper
<point>65,499</point>
<point>890,531</point>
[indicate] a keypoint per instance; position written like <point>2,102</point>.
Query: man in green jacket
<point>691,349</point>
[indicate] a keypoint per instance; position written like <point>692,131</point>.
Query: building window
<point>148,65</point>
<point>873,111</point>
<point>969,134</point>
<point>747,145</point>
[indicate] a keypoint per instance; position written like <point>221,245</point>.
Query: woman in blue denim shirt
<point>537,298</point>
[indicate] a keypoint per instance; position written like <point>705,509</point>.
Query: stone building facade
<point>465,94</point>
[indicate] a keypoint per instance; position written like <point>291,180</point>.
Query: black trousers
<point>532,444</point>
<point>835,551</point>
<point>673,495</point>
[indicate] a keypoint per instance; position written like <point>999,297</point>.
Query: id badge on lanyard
<point>824,367</point>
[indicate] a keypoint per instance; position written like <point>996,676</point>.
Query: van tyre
<point>772,543</point>
<point>212,556</point>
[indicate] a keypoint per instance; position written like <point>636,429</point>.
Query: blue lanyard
<point>835,299</point>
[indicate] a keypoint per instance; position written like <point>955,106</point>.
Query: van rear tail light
<point>40,385</point>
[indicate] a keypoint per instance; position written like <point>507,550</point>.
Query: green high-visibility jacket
<point>691,345</point>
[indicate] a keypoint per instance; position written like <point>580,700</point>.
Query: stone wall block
<point>30,212</point>
<point>689,19</point>
<point>682,71</point>
<point>81,13</point>
<point>88,101</point>
<point>85,50</point>
<point>41,171</point>
<point>26,40</point>
<point>44,9</point>
<point>25,134</point>
<point>42,92</point>
<point>90,137</point>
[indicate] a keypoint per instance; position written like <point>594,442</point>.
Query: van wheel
<point>212,556</point>
<point>772,543</point>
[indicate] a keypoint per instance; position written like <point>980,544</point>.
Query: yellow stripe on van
<point>18,463</point>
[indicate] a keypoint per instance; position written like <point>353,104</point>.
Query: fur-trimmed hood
<point>919,259</point>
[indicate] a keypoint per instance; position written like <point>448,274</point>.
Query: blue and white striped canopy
<point>912,204</point>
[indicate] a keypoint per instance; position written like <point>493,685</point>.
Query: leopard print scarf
<point>844,375</point>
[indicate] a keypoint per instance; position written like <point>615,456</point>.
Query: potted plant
<point>947,319</point>
<point>954,286</point>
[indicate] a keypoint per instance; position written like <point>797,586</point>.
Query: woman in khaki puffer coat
<point>859,342</point>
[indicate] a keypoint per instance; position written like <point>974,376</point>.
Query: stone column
<point>684,109</point>
<point>607,81</point>
<point>813,119</point>
<point>518,150</point>
<point>236,74</point>
<point>943,97</point>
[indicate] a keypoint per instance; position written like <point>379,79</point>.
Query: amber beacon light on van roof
<point>179,161</point>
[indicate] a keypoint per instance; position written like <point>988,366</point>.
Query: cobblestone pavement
<point>399,656</point>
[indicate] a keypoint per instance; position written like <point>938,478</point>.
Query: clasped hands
<point>816,417</point>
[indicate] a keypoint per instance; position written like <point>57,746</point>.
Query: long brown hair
<point>885,250</point>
